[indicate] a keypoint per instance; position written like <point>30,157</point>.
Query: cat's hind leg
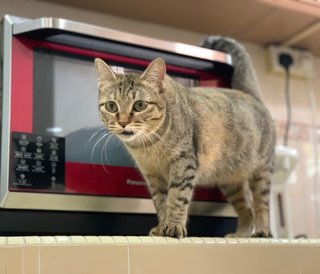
<point>260,187</point>
<point>240,197</point>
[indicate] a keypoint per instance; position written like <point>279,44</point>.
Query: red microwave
<point>55,152</point>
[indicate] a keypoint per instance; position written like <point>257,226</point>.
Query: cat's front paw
<point>170,230</point>
<point>156,231</point>
<point>262,234</point>
<point>174,230</point>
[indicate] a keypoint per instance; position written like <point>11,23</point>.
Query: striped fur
<point>203,136</point>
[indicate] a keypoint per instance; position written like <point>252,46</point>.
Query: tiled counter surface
<point>154,255</point>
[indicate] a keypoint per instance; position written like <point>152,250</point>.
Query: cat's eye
<point>140,105</point>
<point>111,106</point>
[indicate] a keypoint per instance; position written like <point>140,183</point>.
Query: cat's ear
<point>155,73</point>
<point>104,72</point>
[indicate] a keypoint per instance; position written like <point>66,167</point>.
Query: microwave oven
<point>54,151</point>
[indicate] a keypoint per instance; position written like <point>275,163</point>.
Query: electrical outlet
<point>303,64</point>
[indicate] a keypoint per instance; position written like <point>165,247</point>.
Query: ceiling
<point>255,21</point>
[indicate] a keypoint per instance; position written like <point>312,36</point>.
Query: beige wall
<point>304,185</point>
<point>303,188</point>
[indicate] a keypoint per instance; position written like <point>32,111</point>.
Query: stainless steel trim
<point>46,201</point>
<point>6,106</point>
<point>105,33</point>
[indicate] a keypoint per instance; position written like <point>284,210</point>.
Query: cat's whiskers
<point>105,136</point>
<point>156,143</point>
<point>94,135</point>
<point>151,142</point>
<point>100,138</point>
<point>142,139</point>
<point>159,141</point>
<point>106,148</point>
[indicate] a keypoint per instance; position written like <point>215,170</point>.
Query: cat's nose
<point>123,124</point>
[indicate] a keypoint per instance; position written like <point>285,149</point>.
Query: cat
<point>181,137</point>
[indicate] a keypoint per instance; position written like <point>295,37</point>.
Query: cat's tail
<point>244,77</point>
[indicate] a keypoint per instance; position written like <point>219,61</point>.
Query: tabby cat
<point>181,137</point>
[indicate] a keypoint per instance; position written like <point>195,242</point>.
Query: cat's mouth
<point>127,133</point>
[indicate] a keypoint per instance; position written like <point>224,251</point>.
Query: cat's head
<point>132,106</point>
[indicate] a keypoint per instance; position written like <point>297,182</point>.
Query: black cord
<point>289,111</point>
<point>286,61</point>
